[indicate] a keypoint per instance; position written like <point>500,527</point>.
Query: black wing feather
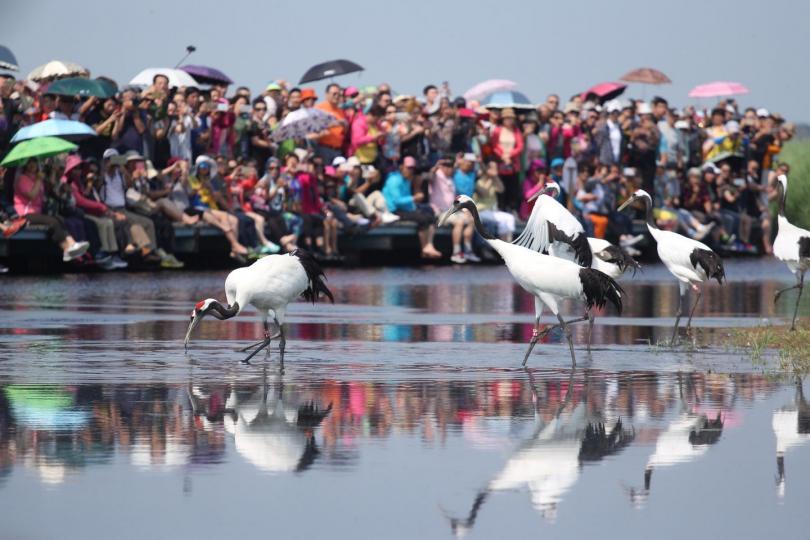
<point>804,247</point>
<point>314,275</point>
<point>619,257</point>
<point>579,243</point>
<point>711,263</point>
<point>600,288</point>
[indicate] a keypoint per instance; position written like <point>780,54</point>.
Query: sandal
<point>16,226</point>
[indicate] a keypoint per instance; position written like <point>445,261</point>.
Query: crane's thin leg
<point>796,309</point>
<point>282,343</point>
<point>264,344</point>
<point>549,328</point>
<point>677,317</point>
<point>570,339</point>
<point>781,291</point>
<point>532,343</point>
<point>590,330</point>
<point>692,312</point>
<point>266,336</point>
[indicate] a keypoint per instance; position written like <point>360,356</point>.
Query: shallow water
<point>403,412</point>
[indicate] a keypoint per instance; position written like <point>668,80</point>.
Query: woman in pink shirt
<point>535,181</point>
<point>29,201</point>
<point>442,193</point>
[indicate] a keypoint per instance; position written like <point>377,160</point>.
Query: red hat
<point>308,93</point>
<point>351,91</point>
<point>72,162</point>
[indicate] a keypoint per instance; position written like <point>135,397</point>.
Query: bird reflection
<point>791,425</point>
<point>549,462</point>
<point>271,437</point>
<point>687,437</point>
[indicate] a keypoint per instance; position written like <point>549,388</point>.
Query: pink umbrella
<point>604,91</point>
<point>483,89</point>
<point>718,88</point>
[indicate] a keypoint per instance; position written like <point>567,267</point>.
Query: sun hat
<point>109,153</point>
<point>537,165</point>
<point>508,113</point>
<point>352,162</point>
<point>557,162</point>
<point>469,156</point>
<point>273,86</point>
<point>308,93</point>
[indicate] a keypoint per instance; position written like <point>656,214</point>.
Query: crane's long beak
<point>445,215</point>
<point>195,322</point>
<point>627,203</point>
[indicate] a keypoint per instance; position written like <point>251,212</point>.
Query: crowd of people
<point>165,157</point>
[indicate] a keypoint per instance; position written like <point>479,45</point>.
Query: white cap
<point>338,161</point>
<point>732,126</point>
<point>643,108</point>
<point>613,106</point>
<point>709,166</point>
<point>469,156</point>
<point>730,108</point>
<point>109,152</point>
<point>353,161</point>
<point>682,124</point>
<point>762,112</point>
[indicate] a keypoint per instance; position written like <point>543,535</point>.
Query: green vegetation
<point>793,348</point>
<point>796,154</point>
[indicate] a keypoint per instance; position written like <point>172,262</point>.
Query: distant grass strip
<point>792,348</point>
<point>796,153</point>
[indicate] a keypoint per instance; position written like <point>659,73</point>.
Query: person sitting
<point>201,198</point>
<point>29,201</point>
<point>487,188</point>
<point>360,191</point>
<point>268,199</point>
<point>408,204</point>
<point>442,192</point>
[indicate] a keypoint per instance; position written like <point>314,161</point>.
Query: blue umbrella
<point>66,129</point>
<point>7,59</point>
<point>508,99</point>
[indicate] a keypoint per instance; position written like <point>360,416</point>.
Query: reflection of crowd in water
<point>289,427</point>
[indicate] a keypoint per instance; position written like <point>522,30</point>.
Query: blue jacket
<point>397,193</point>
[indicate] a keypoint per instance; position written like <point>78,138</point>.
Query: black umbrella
<point>7,59</point>
<point>333,68</point>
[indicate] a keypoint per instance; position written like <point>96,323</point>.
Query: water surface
<point>403,412</point>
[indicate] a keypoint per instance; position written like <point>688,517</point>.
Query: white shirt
<point>615,134</point>
<point>114,190</point>
<point>180,143</point>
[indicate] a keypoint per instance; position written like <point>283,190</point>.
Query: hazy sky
<point>561,47</point>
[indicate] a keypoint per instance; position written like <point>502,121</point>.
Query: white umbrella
<point>177,77</point>
<point>56,69</point>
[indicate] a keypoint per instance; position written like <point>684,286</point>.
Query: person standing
<point>507,144</point>
<point>331,140</point>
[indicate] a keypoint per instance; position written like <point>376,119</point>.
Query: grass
<point>793,348</point>
<point>796,153</point>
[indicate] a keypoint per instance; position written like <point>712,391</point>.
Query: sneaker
<point>628,240</point>
<point>388,218</point>
<point>458,258</point>
<point>106,264</point>
<point>270,248</point>
<point>3,269</point>
<point>703,230</point>
<point>118,262</point>
<point>15,227</point>
<point>171,262</point>
<point>75,251</point>
<point>472,257</point>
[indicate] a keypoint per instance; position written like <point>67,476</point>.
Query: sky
<point>560,47</point>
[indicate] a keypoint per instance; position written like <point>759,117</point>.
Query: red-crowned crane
<point>269,285</point>
<point>690,261</point>
<point>548,278</point>
<point>792,247</point>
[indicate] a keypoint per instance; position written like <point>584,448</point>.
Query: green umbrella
<point>39,147</point>
<point>79,86</point>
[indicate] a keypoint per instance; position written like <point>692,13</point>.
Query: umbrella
<point>109,84</point>
<point>7,59</point>
<point>326,70</point>
<point>483,89</point>
<point>508,99</point>
<point>57,69</point>
<point>718,88</point>
<point>67,129</point>
<point>207,75</point>
<point>298,124</point>
<point>646,76</point>
<point>77,86</point>
<point>39,147</point>
<point>176,77</point>
<point>604,91</point>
